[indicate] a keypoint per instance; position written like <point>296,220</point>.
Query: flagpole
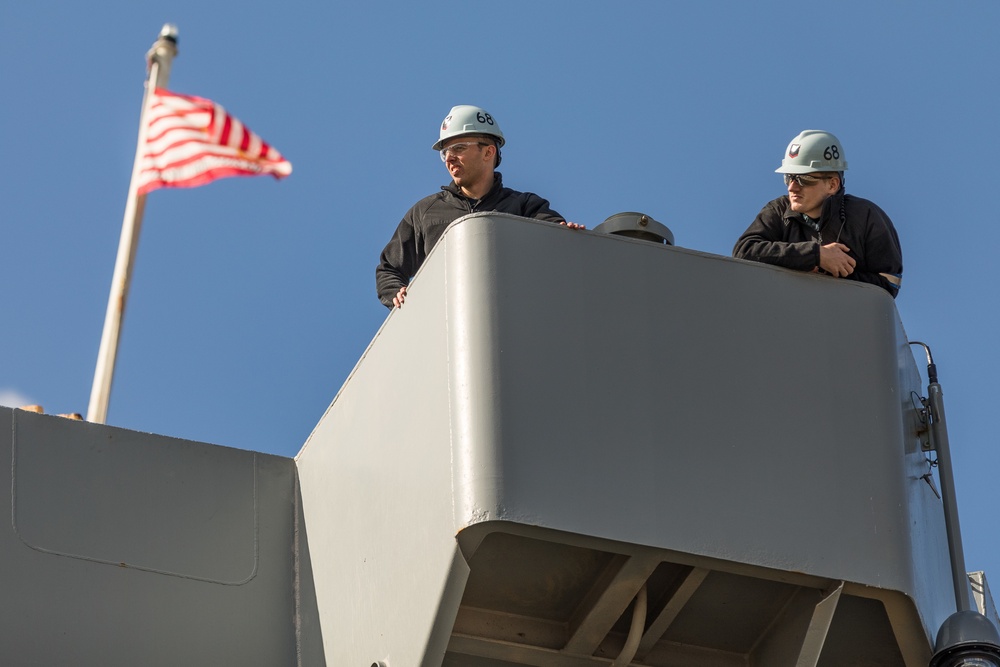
<point>159,58</point>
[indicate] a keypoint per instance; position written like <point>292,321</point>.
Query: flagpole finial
<point>169,32</point>
<point>162,55</point>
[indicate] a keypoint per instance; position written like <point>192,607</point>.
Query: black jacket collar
<point>494,191</point>
<point>831,210</point>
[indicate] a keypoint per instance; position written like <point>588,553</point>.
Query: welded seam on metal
<point>297,566</point>
<point>91,559</point>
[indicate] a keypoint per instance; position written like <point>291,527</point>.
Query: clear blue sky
<point>252,299</point>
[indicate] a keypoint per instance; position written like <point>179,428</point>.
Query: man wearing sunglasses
<point>469,144</point>
<point>819,228</point>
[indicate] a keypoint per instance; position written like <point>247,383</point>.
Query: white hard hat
<point>464,119</point>
<point>813,150</point>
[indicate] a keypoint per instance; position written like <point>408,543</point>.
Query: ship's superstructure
<point>567,449</point>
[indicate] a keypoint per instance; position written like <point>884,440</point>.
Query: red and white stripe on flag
<point>192,141</point>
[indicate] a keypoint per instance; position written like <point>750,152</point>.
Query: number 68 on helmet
<point>811,151</point>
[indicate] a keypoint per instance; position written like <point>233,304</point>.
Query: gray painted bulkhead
<point>555,421</point>
<point>127,548</point>
<point>606,413</point>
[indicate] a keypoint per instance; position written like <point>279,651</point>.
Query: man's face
<point>808,198</point>
<point>468,160</point>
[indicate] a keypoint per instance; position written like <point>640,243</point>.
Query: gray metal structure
<point>568,449</point>
<point>636,226</point>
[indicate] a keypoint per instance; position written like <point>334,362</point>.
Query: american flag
<point>192,141</point>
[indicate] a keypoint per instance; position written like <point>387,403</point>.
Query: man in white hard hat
<point>469,144</point>
<point>819,228</point>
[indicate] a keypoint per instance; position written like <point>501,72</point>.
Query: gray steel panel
<point>729,435</point>
<point>630,392</point>
<point>72,497</point>
<point>377,493</point>
<point>136,549</point>
<point>769,407</point>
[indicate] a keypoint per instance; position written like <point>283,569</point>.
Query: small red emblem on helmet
<point>793,150</point>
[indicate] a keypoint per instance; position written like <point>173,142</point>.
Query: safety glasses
<point>805,180</point>
<point>459,148</point>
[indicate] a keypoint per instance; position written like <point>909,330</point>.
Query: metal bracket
<point>923,421</point>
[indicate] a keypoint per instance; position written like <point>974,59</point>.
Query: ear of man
<point>490,153</point>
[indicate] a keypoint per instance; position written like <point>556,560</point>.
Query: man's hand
<point>572,225</point>
<point>400,297</point>
<point>833,259</point>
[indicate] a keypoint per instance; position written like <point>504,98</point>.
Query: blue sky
<point>252,299</point>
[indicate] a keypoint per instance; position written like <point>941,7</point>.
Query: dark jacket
<point>425,222</point>
<point>780,236</point>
